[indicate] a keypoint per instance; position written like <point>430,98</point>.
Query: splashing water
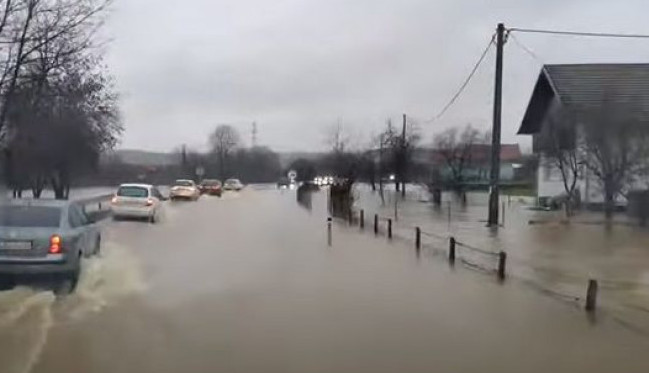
<point>104,280</point>
<point>27,315</point>
<point>25,321</point>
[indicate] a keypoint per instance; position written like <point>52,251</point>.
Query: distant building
<point>478,167</point>
<point>576,87</point>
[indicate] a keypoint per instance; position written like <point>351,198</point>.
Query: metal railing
<point>96,208</point>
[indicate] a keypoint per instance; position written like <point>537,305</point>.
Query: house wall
<point>481,173</point>
<point>550,184</point>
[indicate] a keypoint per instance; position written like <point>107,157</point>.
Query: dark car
<point>212,187</point>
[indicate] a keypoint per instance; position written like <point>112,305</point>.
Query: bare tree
<point>614,145</point>
<point>58,110</point>
<point>561,151</point>
<point>456,149</point>
<point>397,148</point>
<point>341,160</point>
<point>337,138</point>
<point>36,31</point>
<point>60,129</point>
<point>223,141</point>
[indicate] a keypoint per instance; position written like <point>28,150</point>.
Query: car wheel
<point>68,284</point>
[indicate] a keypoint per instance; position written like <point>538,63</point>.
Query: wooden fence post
<point>451,250</point>
<point>329,231</point>
<point>389,228</point>
<point>376,223</point>
<point>591,295</point>
<point>502,261</point>
<point>418,239</point>
<point>362,219</point>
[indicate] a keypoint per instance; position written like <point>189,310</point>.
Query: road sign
<point>292,175</point>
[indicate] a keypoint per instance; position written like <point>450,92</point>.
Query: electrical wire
<point>579,33</point>
<point>526,49</point>
<point>465,83</point>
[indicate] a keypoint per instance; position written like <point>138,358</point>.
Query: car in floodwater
<point>233,184</point>
<point>139,201</point>
<point>211,187</point>
<point>46,238</point>
<point>184,189</point>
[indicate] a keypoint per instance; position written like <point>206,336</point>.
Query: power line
<point>466,82</point>
<point>579,33</point>
<point>526,49</point>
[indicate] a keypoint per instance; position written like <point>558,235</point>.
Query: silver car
<point>232,184</point>
<point>46,238</point>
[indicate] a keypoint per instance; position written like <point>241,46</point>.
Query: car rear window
<point>211,182</point>
<point>30,216</point>
<point>133,191</point>
<point>184,183</point>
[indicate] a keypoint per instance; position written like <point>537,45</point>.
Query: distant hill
<point>142,157</point>
<point>287,158</point>
<point>148,158</point>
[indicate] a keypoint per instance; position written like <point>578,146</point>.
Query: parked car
<point>211,186</point>
<point>41,238</point>
<point>232,184</point>
<point>184,189</point>
<point>140,201</point>
<point>283,182</point>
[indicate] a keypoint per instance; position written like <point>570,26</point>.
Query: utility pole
<point>494,179</point>
<point>253,140</point>
<point>402,160</point>
<point>381,168</point>
<point>183,155</point>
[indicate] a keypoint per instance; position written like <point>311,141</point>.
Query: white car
<point>143,201</point>
<point>185,189</point>
<point>232,184</point>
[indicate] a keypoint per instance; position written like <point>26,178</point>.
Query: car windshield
<point>30,216</point>
<point>184,183</point>
<point>133,191</point>
<point>232,181</point>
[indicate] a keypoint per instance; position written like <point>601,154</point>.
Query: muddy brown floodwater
<point>246,283</point>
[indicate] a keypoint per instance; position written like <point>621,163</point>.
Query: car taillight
<point>149,202</point>
<point>55,244</point>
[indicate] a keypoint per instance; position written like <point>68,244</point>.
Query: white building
<point>582,88</point>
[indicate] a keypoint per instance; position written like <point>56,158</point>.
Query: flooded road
<point>551,255</point>
<point>246,283</point>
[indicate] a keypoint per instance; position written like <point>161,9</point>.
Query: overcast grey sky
<point>296,66</point>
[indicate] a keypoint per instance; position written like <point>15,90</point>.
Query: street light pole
<point>494,179</point>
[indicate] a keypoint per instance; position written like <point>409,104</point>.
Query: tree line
<point>58,106</point>
<point>388,157</point>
